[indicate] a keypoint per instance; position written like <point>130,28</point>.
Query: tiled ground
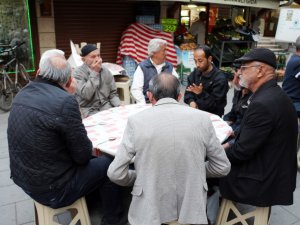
<point>16,208</point>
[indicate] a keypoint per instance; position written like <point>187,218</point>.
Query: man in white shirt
<point>198,28</point>
<point>150,67</point>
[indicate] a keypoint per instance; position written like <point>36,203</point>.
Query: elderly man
<point>50,153</point>
<point>170,169</point>
<point>263,157</point>
<point>155,64</point>
<point>96,88</point>
<point>207,86</point>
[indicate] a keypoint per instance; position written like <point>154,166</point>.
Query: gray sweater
<point>95,91</point>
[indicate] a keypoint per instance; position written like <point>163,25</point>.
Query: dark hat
<point>297,43</point>
<point>259,54</point>
<point>87,49</point>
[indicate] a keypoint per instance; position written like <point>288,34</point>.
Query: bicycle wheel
<point>6,95</point>
<point>21,73</point>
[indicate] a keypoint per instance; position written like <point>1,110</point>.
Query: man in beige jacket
<point>170,143</point>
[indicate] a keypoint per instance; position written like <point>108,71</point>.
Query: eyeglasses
<point>245,67</point>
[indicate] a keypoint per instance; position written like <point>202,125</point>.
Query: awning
<point>269,4</point>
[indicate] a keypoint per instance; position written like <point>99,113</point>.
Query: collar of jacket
<point>265,86</point>
<point>166,101</point>
<point>150,63</point>
<point>40,79</point>
<point>209,74</point>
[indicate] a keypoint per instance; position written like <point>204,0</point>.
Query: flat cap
<point>261,55</point>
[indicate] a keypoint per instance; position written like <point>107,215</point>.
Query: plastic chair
<point>259,214</point>
<point>175,223</point>
<point>123,88</point>
<point>44,215</point>
<point>123,91</point>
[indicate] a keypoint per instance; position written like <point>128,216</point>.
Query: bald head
<point>164,85</point>
<point>54,66</point>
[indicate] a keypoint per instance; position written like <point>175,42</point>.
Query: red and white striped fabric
<point>135,39</point>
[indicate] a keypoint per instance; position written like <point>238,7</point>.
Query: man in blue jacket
<point>50,153</point>
<point>291,81</point>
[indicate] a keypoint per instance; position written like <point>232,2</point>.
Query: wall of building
<point>46,28</point>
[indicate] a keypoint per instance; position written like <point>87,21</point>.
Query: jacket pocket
<point>137,190</point>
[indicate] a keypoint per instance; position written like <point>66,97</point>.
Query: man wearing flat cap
<point>263,156</point>
<point>96,88</point>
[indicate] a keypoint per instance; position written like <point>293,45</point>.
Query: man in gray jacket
<point>96,88</point>
<point>170,151</point>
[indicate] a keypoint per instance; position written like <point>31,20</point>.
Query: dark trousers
<point>87,179</point>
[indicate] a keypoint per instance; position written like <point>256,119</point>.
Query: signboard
<point>268,4</point>
<point>288,28</point>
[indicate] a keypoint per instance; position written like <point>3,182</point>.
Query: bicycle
<point>9,87</point>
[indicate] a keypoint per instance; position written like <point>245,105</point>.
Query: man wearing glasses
<point>263,157</point>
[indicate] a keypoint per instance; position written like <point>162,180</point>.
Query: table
<point>105,129</point>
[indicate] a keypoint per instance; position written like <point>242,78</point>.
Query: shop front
<point>15,28</point>
<point>55,22</point>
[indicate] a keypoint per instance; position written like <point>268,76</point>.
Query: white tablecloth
<point>105,129</point>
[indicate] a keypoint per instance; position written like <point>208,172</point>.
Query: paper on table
<point>100,140</point>
<point>90,123</point>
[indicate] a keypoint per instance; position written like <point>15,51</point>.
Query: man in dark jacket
<point>239,102</point>
<point>291,81</point>
<point>263,157</point>
<point>207,86</point>
<point>50,153</point>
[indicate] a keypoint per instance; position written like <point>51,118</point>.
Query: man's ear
<point>179,97</point>
<point>150,96</point>
<point>68,84</point>
<point>37,72</point>
<point>210,58</point>
<point>83,59</point>
<point>261,71</point>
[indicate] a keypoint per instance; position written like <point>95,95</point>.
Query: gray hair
<point>155,45</point>
<point>54,66</point>
<point>164,85</point>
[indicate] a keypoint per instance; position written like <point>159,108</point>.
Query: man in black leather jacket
<point>50,153</point>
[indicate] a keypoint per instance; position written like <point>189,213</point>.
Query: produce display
<point>188,46</point>
<point>239,20</point>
